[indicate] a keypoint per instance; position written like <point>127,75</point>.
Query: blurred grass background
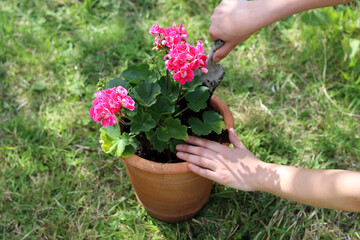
<point>293,87</point>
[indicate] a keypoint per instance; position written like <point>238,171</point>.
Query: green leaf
<point>171,128</point>
<point>142,122</point>
<point>154,114</point>
<point>197,99</point>
<point>145,93</point>
<point>112,131</point>
<point>117,144</point>
<point>153,77</point>
<point>173,143</point>
<point>136,73</point>
<point>130,114</point>
<point>172,90</point>
<point>163,105</point>
<point>212,121</point>
<point>158,145</point>
<point>117,82</point>
<point>191,86</point>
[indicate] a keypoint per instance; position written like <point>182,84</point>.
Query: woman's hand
<point>239,168</point>
<point>233,21</point>
<point>234,167</point>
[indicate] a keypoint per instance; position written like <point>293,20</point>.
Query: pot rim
<point>182,167</point>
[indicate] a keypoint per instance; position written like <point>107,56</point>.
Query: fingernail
<point>178,147</point>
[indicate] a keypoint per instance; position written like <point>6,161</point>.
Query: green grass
<point>294,89</point>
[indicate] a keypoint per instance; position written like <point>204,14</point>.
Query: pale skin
<point>237,167</point>
<point>234,21</point>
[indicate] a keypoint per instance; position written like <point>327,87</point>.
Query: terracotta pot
<point>170,191</point>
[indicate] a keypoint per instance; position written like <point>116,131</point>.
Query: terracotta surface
<point>171,192</point>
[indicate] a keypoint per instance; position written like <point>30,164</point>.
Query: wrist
<point>267,177</point>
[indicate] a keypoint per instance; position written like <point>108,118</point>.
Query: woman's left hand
<point>234,167</point>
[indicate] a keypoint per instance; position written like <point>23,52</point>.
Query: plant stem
<point>157,67</point>
<point>124,123</point>
<point>167,80</point>
<point>177,114</point>
<point>178,98</point>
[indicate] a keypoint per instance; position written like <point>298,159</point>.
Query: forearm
<point>234,21</point>
<point>335,189</point>
<point>269,11</point>
<point>238,168</point>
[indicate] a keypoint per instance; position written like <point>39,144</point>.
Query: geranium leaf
<point>197,99</point>
<point>171,90</point>
<point>136,73</point>
<point>145,93</point>
<point>197,126</point>
<point>191,86</point>
<point>112,131</point>
<point>212,121</point>
<point>171,128</point>
<point>142,122</point>
<point>117,144</point>
<point>158,145</point>
<point>154,114</point>
<point>174,142</point>
<point>130,149</point>
<point>130,114</point>
<point>153,77</point>
<point>117,82</point>
<point>163,105</point>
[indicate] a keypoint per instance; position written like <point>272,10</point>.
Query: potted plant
<point>153,107</point>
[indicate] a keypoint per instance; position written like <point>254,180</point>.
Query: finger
<point>207,144</point>
<point>206,173</point>
<point>234,139</point>
<point>194,150</point>
<point>214,28</point>
<point>199,161</point>
<point>212,32</point>
<point>223,52</point>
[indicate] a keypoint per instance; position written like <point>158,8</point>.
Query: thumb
<point>222,52</point>
<point>234,139</point>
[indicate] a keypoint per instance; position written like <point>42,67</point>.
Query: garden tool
<point>216,72</point>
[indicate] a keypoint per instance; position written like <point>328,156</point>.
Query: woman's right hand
<point>233,21</point>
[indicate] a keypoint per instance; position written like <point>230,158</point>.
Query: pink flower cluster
<point>108,102</point>
<point>183,58</point>
<point>168,37</point>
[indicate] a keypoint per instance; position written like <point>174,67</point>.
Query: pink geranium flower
<point>168,37</point>
<point>108,102</point>
<point>184,75</point>
<point>182,58</point>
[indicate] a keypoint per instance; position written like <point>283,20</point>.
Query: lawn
<point>293,87</point>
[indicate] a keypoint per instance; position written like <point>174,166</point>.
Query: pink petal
<point>204,70</point>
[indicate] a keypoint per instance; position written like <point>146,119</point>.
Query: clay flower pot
<point>170,191</point>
